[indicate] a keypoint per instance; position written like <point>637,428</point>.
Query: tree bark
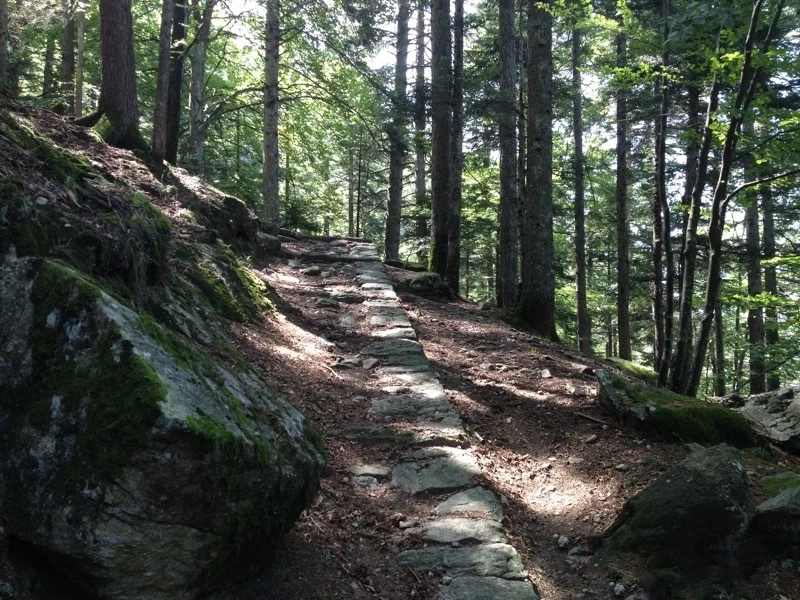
<point>118,101</point>
<point>180,19</point>
<point>441,123</point>
<point>623,234</point>
<point>420,195</point>
<point>662,233</point>
<point>68,54</point>
<point>755,312</point>
<point>508,255</point>
<point>271,115</point>
<point>162,84</point>
<point>452,276</point>
<point>197,57</point>
<point>771,335</point>
<point>80,22</point>
<point>719,352</point>
<point>397,136</point>
<point>748,82</point>
<point>351,192</point>
<point>537,296</point>
<point>49,67</point>
<point>584,321</point>
<point>4,42</point>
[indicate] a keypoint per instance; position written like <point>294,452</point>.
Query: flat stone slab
<point>462,530</point>
<point>392,347</point>
<point>486,560</point>
<point>477,499</point>
<point>389,317</point>
<point>406,333</point>
<point>376,471</point>
<point>348,298</point>
<point>436,470</point>
<point>397,406</point>
<point>369,287</point>
<point>403,434</point>
<point>487,588</point>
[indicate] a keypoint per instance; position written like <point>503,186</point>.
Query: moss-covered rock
<point>132,457</point>
<point>685,528</point>
<point>678,417</point>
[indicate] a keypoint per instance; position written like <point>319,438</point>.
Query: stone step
<point>437,469</point>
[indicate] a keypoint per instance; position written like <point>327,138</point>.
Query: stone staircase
<point>465,541</point>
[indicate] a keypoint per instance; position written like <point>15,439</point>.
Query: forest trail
<point>427,403</point>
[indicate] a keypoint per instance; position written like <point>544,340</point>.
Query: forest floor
<point>561,466</point>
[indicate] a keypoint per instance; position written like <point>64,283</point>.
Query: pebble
<point>619,590</point>
<point>592,439</point>
<point>367,480</point>
<point>312,271</point>
<point>370,363</point>
<point>446,580</point>
<point>406,524</point>
<point>563,542</point>
<point>622,467</point>
<point>546,374</point>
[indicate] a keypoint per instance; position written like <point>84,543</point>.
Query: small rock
<point>622,467</point>
<point>546,374</point>
<point>41,201</point>
<point>563,542</point>
<point>406,524</point>
<point>446,580</point>
<point>370,363</point>
<point>591,439</point>
<point>487,366</point>
<point>580,393</point>
<point>366,480</point>
<point>619,590</point>
<point>312,271</point>
<point>574,460</point>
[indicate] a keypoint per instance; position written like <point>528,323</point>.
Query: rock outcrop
<point>132,458</point>
<point>671,415</point>
<point>776,416</point>
<point>140,454</point>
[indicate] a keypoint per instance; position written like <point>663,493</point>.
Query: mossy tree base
<point>671,415</point>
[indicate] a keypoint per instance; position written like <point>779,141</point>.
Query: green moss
<point>689,419</point>
<point>112,392</point>
<point>182,350</point>
<point>772,485</point>
<point>227,284</point>
<point>635,370</point>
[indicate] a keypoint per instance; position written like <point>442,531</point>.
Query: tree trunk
<point>537,296</point>
<point>771,287</point>
<point>683,344</point>
<point>80,21</point>
<point>522,129</point>
<point>441,122</point>
<point>508,254</point>
<point>351,192</point>
<point>118,102</point>
<point>397,136</point>
<point>68,54</point>
<point>755,312</point>
<point>746,90</point>
<point>719,352</point>
<point>662,233</point>
<point>271,114</point>
<point>162,84</point>
<point>623,234</point>
<point>420,195</point>
<point>180,19</point>
<point>49,67</point>
<point>4,42</point>
<point>197,56</point>
<point>584,321</point>
<point>452,276</point>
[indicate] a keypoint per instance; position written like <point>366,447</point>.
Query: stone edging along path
<point>472,552</point>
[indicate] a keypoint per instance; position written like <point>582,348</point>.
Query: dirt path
<point>560,468</point>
